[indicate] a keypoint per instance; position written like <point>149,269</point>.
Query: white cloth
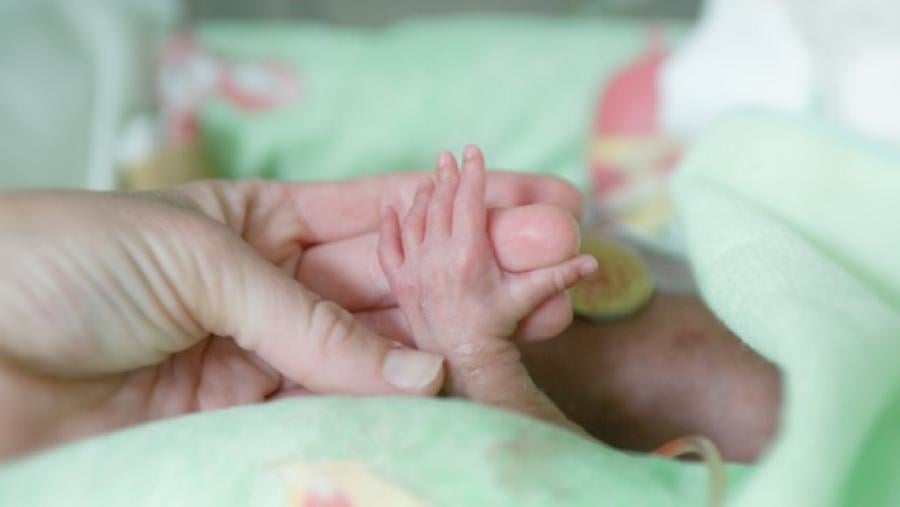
<point>70,72</point>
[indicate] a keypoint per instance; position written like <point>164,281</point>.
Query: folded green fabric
<point>524,88</point>
<point>791,228</point>
<point>441,453</point>
<point>793,232</point>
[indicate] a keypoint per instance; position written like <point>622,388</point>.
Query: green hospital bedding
<point>791,229</point>
<point>524,89</point>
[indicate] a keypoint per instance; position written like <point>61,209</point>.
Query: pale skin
<point>117,309</point>
<point>457,299</point>
<point>670,371</point>
<point>121,308</point>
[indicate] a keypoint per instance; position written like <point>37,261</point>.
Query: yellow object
<point>706,449</point>
<point>621,286</point>
<point>341,484</point>
<point>168,166</point>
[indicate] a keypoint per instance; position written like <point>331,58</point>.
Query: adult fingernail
<point>588,266</point>
<point>411,370</point>
<point>470,151</point>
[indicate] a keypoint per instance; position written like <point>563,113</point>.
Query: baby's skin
<point>457,299</point>
<point>532,223</point>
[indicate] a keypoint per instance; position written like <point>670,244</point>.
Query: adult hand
<point>532,225</point>
<point>122,308</point>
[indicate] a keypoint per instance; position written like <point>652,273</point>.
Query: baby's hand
<point>458,302</point>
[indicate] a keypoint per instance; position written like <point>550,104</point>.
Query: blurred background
<point>74,72</point>
<point>609,94</point>
<point>380,12</point>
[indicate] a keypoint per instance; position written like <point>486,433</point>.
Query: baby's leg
<point>670,371</point>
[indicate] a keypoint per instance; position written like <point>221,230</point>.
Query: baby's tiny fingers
<point>440,213</point>
<point>469,210</point>
<point>390,248</point>
<point>533,288</point>
<point>415,222</point>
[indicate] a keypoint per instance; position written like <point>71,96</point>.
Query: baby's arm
<point>457,300</point>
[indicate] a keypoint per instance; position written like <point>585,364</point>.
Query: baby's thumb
<point>534,287</point>
<point>313,342</point>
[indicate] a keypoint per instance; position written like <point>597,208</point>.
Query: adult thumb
<point>314,342</point>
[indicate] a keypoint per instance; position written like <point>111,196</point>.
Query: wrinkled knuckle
<point>330,327</point>
<point>467,353</point>
<point>560,280</point>
<point>480,358</point>
<point>208,241</point>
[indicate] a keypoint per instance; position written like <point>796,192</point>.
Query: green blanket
<point>791,229</point>
<point>793,234</point>
<point>525,89</point>
<point>442,453</point>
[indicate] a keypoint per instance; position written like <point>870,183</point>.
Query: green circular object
<point>621,286</point>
